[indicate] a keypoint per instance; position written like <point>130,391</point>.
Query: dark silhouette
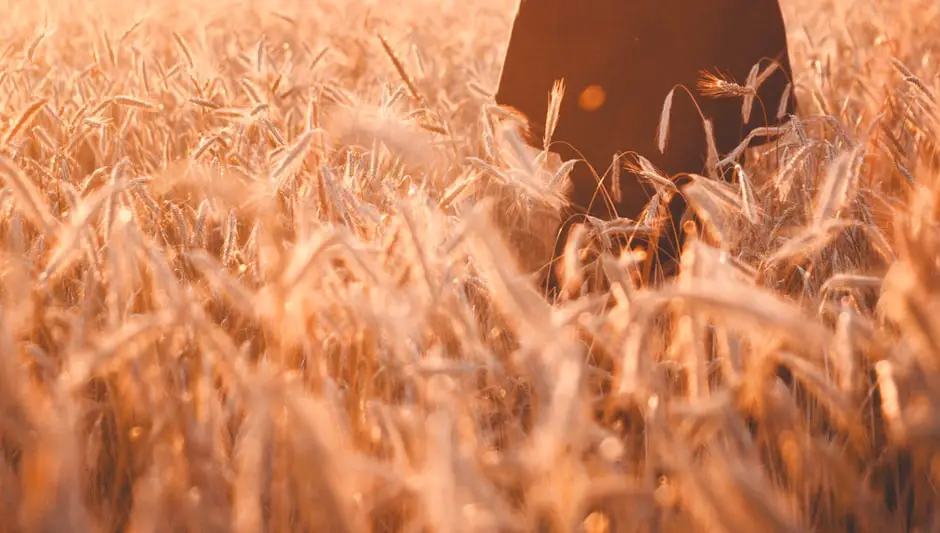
<point>619,60</point>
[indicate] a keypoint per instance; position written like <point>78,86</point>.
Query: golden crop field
<point>270,266</point>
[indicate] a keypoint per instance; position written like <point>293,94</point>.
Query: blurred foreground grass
<point>254,280</point>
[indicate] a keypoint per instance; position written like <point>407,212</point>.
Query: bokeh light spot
<point>592,98</point>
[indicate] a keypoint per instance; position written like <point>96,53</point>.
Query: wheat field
<point>272,266</point>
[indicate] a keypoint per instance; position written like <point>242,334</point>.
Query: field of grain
<point>270,266</point>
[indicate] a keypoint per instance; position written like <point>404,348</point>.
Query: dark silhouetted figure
<point>619,59</point>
